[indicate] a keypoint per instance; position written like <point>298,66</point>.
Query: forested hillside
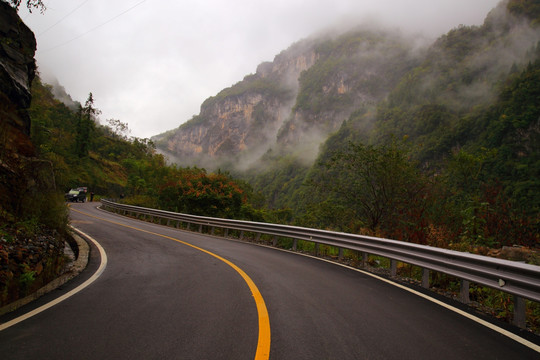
<point>378,133</point>
<point>465,124</point>
<point>105,159</point>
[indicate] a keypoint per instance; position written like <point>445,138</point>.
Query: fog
<point>151,64</point>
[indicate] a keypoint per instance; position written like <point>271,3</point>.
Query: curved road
<point>171,294</point>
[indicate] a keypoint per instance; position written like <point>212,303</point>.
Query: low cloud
<point>154,65</point>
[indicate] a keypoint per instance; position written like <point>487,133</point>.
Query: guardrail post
<point>200,228</point>
<point>364,259</point>
<point>425,278</point>
<point>519,318</point>
<point>258,237</point>
<point>242,235</point>
<point>177,224</point>
<point>168,222</point>
<point>212,231</point>
<point>295,244</point>
<point>464,291</point>
<point>340,255</point>
<point>274,241</point>
<point>226,232</point>
<point>316,249</point>
<point>393,268</point>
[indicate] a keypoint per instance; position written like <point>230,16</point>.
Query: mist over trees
<point>385,136</point>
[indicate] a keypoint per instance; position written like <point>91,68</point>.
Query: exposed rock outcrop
<point>293,102</point>
<point>245,118</point>
<point>17,70</point>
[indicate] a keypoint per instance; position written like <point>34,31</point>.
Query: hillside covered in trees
<point>370,131</point>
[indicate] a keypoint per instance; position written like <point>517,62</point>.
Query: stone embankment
<point>33,267</point>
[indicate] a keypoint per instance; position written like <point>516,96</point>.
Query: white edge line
<point>487,324</point>
<point>58,300</point>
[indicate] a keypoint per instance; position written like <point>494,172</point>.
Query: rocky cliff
<point>293,102</point>
<point>31,252</point>
<point>353,71</point>
<point>17,70</point>
<point>243,119</point>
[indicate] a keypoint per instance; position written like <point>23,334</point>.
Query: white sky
<point>151,63</point>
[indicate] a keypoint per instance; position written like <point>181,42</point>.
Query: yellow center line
<point>263,343</point>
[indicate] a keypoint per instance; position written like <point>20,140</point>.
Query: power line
<point>94,28</point>
<point>56,23</point>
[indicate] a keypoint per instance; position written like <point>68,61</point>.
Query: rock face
<point>27,260</point>
<point>293,102</point>
<point>17,70</point>
<point>243,119</point>
<point>17,64</point>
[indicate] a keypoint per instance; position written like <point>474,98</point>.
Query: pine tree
<point>86,126</point>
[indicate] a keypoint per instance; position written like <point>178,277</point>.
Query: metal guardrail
<point>519,279</point>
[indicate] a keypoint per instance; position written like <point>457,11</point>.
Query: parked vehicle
<point>76,195</point>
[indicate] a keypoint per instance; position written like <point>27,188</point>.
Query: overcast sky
<point>151,63</point>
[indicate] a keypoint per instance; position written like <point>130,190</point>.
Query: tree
<point>193,191</point>
<point>86,126</point>
<point>381,187</point>
<point>119,128</point>
<point>30,4</point>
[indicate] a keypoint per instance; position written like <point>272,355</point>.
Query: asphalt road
<point>171,294</point>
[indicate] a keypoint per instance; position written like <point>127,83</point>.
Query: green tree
<point>86,126</point>
<point>195,192</point>
<point>119,129</point>
<point>380,186</point>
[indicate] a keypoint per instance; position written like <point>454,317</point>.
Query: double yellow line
<point>263,343</point>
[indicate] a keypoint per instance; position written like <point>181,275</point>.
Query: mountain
<point>364,85</point>
<point>295,101</point>
<point>309,90</point>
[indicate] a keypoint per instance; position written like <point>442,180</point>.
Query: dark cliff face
<point>17,70</point>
